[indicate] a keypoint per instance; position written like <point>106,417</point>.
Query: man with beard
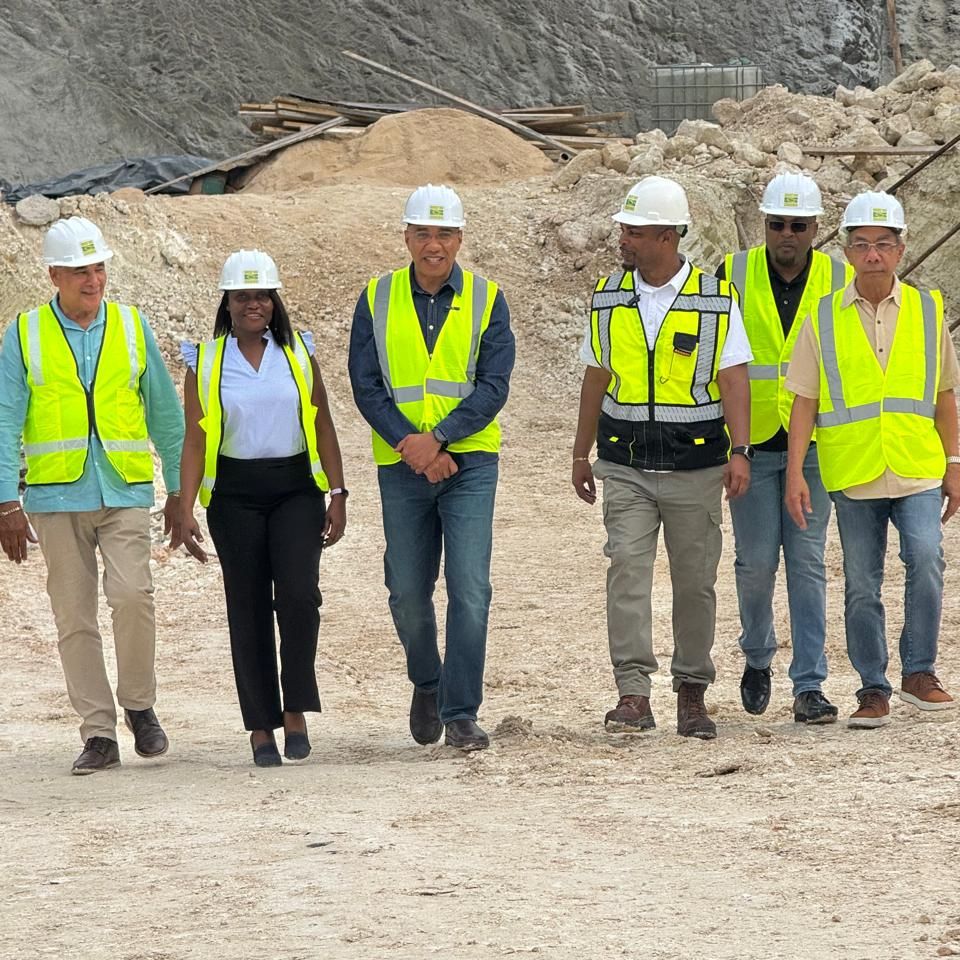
<point>666,377</point>
<point>779,283</point>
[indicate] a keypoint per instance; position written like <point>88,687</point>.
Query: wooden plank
<point>894,36</point>
<point>265,149</point>
<point>815,150</point>
<point>561,119</point>
<point>573,108</point>
<point>460,101</point>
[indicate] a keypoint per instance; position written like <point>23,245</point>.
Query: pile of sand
<point>433,145</point>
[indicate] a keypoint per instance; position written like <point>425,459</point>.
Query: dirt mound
<point>434,145</point>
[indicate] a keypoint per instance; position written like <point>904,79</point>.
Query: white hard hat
<point>249,270</point>
<point>432,206</point>
<point>792,195</point>
<point>655,201</point>
<point>74,243</point>
<point>873,209</point>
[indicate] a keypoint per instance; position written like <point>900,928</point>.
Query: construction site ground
<point>774,841</point>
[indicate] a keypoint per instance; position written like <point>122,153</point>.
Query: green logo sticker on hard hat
<point>251,276</point>
<point>791,199</point>
<point>630,204</point>
<point>880,215</point>
<point>436,211</point>
<point>88,247</point>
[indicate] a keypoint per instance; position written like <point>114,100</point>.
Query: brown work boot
<point>99,753</point>
<point>925,691</point>
<point>149,740</point>
<point>692,719</point>
<point>874,711</point>
<point>631,715</point>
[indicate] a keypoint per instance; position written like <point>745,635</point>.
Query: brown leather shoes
<point>925,691</point>
<point>874,711</point>
<point>99,753</point>
<point>149,740</point>
<point>631,715</point>
<point>692,719</point>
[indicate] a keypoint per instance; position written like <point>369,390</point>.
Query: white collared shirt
<point>261,408</point>
<point>652,307</point>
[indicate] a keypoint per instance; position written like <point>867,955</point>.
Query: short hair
<point>279,323</point>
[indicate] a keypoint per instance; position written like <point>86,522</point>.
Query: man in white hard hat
<point>431,352</point>
<point>875,369</point>
<point>83,384</point>
<point>665,378</point>
<point>779,282</point>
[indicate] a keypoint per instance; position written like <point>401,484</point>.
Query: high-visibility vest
<point>675,386</point>
<point>770,401</point>
<point>209,371</point>
<point>427,387</point>
<point>62,413</point>
<point>870,419</point>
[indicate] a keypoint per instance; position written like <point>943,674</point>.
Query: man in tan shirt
<point>875,369</point>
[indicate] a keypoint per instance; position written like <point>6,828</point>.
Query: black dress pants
<point>266,518</point>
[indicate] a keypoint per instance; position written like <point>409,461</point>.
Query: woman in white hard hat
<point>261,451</point>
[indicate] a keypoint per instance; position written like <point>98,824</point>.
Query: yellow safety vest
<point>770,401</point>
<point>870,419</point>
<point>56,432</point>
<point>209,370</point>
<point>427,387</point>
<point>675,387</point>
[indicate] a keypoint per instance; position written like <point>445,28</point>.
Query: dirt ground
<point>774,841</point>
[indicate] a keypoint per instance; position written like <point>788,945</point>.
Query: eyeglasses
<point>881,246</point>
<point>778,226</point>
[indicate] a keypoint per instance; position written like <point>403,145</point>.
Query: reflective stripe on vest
<point>681,385</point>
<point>770,401</point>
<point>209,369</point>
<point>410,374</point>
<point>57,426</point>
<point>869,421</point>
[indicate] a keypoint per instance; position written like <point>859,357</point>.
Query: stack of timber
<point>570,125</point>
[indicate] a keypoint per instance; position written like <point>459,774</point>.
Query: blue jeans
<point>421,521</point>
<point>761,526</point>
<point>863,534</point>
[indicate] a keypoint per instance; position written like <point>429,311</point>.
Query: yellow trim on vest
<point>57,427</point>
<point>869,418</point>
<point>209,373</point>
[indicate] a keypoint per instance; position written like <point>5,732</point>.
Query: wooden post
<point>894,36</point>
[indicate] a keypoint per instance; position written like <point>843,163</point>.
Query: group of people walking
<point>694,384</point>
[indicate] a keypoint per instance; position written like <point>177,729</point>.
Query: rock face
<point>135,83</point>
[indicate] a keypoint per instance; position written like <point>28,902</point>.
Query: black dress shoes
<point>812,706</point>
<point>99,753</point>
<point>149,740</point>
<point>425,725</point>
<point>266,754</point>
<point>466,735</point>
<point>755,689</point>
<point>296,746</point>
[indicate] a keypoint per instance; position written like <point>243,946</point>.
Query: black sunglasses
<point>778,226</point>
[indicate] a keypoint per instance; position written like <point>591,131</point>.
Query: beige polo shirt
<point>880,324</point>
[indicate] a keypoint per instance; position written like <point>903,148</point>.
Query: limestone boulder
<point>678,147</point>
<point>893,128</point>
<point>726,111</point>
<point>616,156</point>
<point>912,76</point>
<point>574,169</point>
<point>702,131</point>
<point>38,211</point>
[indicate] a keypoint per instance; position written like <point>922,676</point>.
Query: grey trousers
<point>635,505</point>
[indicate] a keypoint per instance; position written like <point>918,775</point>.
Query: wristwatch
<point>440,437</point>
<point>745,450</point>
<point>339,492</point>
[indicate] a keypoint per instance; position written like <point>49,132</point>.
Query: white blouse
<point>261,408</point>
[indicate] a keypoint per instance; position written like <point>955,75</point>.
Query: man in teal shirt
<point>83,385</point>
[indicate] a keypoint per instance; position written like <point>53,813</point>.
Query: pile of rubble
<point>724,166</point>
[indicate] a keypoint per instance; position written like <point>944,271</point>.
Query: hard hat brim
<point>423,222</point>
<point>79,261</point>
<point>773,211</point>
<point>251,286</point>
<point>638,220</point>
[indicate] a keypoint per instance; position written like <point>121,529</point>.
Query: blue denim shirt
<point>494,366</point>
<point>100,485</point>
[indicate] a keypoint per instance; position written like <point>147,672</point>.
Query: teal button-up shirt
<point>100,485</point>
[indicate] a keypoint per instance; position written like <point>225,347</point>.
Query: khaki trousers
<point>69,542</point>
<point>635,505</point>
